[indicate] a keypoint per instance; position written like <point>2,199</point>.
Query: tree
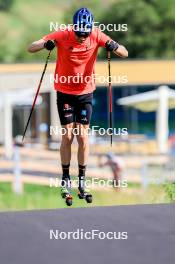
<point>141,37</point>
<point>5,5</point>
<point>150,27</point>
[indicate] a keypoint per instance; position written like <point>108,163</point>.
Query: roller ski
<point>65,194</point>
<point>85,194</point>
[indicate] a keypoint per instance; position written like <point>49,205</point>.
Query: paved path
<point>24,236</point>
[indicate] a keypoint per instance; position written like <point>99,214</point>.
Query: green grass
<point>38,197</point>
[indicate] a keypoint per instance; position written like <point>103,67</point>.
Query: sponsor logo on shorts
<point>67,115</point>
<point>66,107</point>
<point>84,119</point>
<point>83,112</point>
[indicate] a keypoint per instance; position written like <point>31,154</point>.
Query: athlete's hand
<point>49,45</point>
<point>111,45</point>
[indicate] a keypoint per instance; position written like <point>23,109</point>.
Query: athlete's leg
<point>117,177</point>
<point>83,116</point>
<point>65,154</point>
<point>83,143</point>
<point>66,142</point>
<point>83,112</point>
<point>83,152</point>
<point>65,106</point>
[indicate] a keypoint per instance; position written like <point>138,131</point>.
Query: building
<point>128,78</point>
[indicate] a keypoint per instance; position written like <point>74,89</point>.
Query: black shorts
<point>74,108</point>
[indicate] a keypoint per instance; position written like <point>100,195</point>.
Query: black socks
<point>66,177</point>
<point>66,182</point>
<point>81,176</point>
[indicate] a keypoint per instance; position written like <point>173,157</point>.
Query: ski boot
<point>65,194</point>
<point>85,194</point>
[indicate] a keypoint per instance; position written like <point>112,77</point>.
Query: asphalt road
<point>25,236</point>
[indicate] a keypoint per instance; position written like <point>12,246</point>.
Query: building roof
<point>136,72</point>
<point>149,101</point>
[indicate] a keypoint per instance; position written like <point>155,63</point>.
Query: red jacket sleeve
<point>103,38</point>
<point>56,35</point>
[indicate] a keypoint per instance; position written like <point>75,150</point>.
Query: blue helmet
<point>83,21</point>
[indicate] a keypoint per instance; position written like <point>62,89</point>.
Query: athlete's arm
<point>111,45</point>
<point>121,51</point>
<point>117,49</point>
<point>41,44</point>
<point>36,46</point>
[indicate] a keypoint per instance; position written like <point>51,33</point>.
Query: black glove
<point>49,45</point>
<point>111,45</point>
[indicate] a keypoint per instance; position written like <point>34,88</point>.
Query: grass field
<point>38,197</point>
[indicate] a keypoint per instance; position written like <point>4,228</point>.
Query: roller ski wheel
<point>65,194</point>
<point>85,195</point>
<point>69,200</point>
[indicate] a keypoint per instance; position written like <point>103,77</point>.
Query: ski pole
<point>110,94</point>
<point>36,95</point>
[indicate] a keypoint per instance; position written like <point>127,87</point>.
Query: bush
<point>170,191</point>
